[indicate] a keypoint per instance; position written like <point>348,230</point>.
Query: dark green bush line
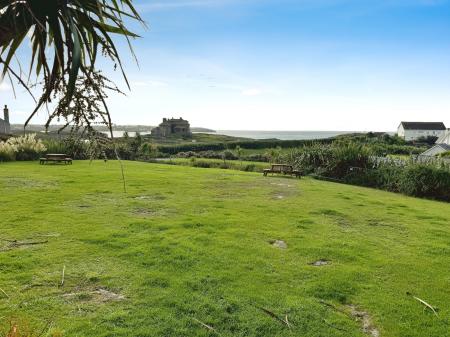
<point>227,154</point>
<point>252,145</point>
<point>137,148</point>
<point>353,163</point>
<point>227,165</point>
<point>380,149</point>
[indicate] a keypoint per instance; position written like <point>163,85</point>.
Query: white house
<point>415,130</point>
<point>442,145</point>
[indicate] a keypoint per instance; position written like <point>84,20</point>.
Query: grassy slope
<point>232,164</point>
<point>204,138</point>
<point>189,243</point>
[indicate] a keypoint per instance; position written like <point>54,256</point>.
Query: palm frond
<point>73,33</point>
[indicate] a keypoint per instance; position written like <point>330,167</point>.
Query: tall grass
<point>26,147</point>
<point>353,163</point>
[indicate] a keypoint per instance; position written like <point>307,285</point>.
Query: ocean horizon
<point>284,135</point>
<point>255,134</point>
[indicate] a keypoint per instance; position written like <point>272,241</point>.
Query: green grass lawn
<point>241,165</point>
<point>188,252</point>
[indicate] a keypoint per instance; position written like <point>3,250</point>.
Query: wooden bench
<point>282,169</point>
<point>55,158</point>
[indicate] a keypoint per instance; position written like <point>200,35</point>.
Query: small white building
<point>442,146</point>
<point>415,130</point>
<point>436,150</point>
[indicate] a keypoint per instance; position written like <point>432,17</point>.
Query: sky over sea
<point>282,65</point>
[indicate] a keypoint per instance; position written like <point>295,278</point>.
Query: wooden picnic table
<point>282,169</point>
<point>55,158</point>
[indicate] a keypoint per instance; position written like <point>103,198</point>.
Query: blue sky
<point>285,64</point>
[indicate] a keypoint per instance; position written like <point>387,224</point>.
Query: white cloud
<point>252,92</point>
<point>149,83</point>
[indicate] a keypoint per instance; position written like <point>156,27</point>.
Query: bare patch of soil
<point>360,316</point>
<point>148,213</point>
<point>320,263</point>
<point>14,244</point>
<point>281,185</point>
<point>99,295</point>
<point>149,197</point>
<point>366,321</point>
<point>278,244</point>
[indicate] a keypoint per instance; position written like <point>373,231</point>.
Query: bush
<point>22,148</point>
<point>426,181</point>
<point>352,163</point>
<point>228,155</point>
<point>55,146</point>
<point>256,157</point>
<point>7,152</point>
<point>202,164</point>
<point>250,144</point>
<point>225,166</point>
<point>347,159</point>
<point>249,168</point>
<point>336,160</point>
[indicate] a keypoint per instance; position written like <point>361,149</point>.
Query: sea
<point>281,135</point>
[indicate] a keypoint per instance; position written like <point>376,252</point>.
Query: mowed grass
<point>188,252</point>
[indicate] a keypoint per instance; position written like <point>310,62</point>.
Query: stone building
<point>172,127</point>
<point>5,127</point>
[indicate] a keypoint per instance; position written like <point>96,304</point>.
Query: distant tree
<point>274,154</point>
<point>66,39</point>
<point>149,150</point>
<point>136,143</point>
<point>239,154</point>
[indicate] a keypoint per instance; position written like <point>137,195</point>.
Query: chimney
<point>6,114</point>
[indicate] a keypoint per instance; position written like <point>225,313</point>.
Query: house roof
<point>443,148</point>
<point>445,139</point>
<point>446,147</point>
<point>423,126</point>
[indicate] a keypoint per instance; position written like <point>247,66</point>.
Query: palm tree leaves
<point>66,38</point>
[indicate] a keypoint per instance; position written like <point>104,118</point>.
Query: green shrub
<point>25,147</point>
<point>347,159</point>
<point>225,166</point>
<point>7,152</point>
<point>250,144</point>
<point>228,155</point>
<point>352,163</point>
<point>426,181</point>
<point>200,163</point>
<point>336,160</point>
<point>249,168</point>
